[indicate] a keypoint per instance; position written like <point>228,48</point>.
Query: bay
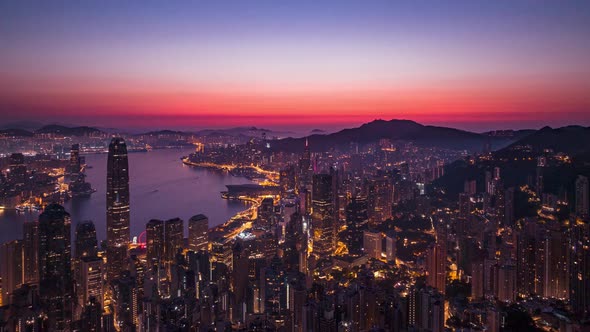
<point>161,187</point>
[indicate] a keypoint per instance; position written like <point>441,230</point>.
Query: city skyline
<point>471,65</point>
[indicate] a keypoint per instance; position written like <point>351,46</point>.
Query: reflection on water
<point>161,187</point>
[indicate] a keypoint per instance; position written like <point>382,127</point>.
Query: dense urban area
<point>392,226</point>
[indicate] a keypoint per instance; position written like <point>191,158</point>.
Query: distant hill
<point>166,132</point>
<point>12,132</point>
<point>244,131</point>
<point>405,130</point>
<point>68,131</point>
<point>571,139</point>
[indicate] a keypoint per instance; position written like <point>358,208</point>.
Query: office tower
<point>86,244</point>
<point>154,236</point>
<point>288,180</point>
<point>379,199</point>
<point>506,290</point>
<point>557,270</point>
<point>91,320</point>
<point>91,269</point>
<point>582,196</point>
<point>531,258</point>
<point>18,170</point>
<point>74,166</point>
<point>470,187</point>
<point>55,269</point>
<point>198,233</point>
<point>117,208</point>
<point>372,244</point>
<point>125,302</point>
<point>173,239</point>
<point>266,213</point>
<point>509,207</point>
<point>31,252</point>
<point>579,260</point>
<point>436,262</point>
<point>11,268</point>
<point>305,162</point>
<point>322,215</point>
<point>465,205</point>
<point>390,246</point>
<point>357,221</point>
<point>164,240</point>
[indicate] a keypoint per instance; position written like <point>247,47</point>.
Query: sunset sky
<point>475,65</point>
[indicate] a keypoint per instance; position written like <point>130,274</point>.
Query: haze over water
<point>161,188</point>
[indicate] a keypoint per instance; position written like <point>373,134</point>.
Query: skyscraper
<point>18,170</point>
<point>55,268</point>
<point>74,165</point>
<point>86,243</point>
<point>582,196</point>
<point>198,233</point>
<point>154,235</point>
<point>31,252</point>
<point>11,268</point>
<point>322,215</point>
<point>579,260</point>
<point>117,208</point>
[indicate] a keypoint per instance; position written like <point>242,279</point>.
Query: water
<point>161,188</point>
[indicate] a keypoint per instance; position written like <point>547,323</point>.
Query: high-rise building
<point>579,260</point>
<point>117,208</point>
<point>322,215</point>
<point>55,268</point>
<point>154,236</point>
<point>31,252</point>
<point>74,166</point>
<point>86,244</point>
<point>357,221</point>
<point>582,196</point>
<point>436,262</point>
<point>173,238</point>
<point>164,239</point>
<point>91,269</point>
<point>509,207</point>
<point>380,200</point>
<point>372,244</point>
<point>18,170</point>
<point>198,233</point>
<point>11,268</point>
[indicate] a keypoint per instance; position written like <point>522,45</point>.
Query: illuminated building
<point>125,302</point>
<point>390,246</point>
<point>91,269</point>
<point>198,233</point>
<point>173,239</point>
<point>31,252</point>
<point>322,215</point>
<point>379,199</point>
<point>582,196</point>
<point>356,222</point>
<point>288,180</point>
<point>86,244</point>
<point>154,236</point>
<point>266,213</point>
<point>436,263</point>
<point>18,170</point>
<point>74,166</point>
<point>117,208</point>
<point>372,244</point>
<point>11,270</point>
<point>55,269</point>
<point>579,260</point>
<point>506,291</point>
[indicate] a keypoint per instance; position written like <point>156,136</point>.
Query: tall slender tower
<point>55,266</point>
<point>322,216</point>
<point>117,208</point>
